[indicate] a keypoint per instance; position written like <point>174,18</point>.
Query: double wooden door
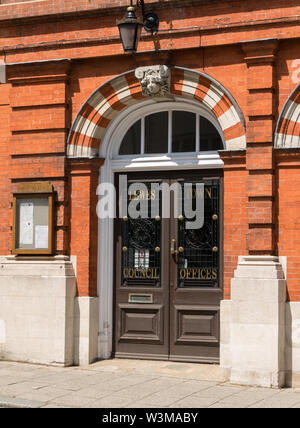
<point>168,276</point>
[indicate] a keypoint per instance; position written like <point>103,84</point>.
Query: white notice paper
<point>41,237</point>
<point>141,259</point>
<point>26,223</point>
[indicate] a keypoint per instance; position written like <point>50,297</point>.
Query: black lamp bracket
<point>151,20</point>
<point>141,5</point>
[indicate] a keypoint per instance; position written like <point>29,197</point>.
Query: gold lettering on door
<point>198,273</point>
<point>134,273</point>
<point>149,195</point>
<point>208,192</point>
<point>197,193</point>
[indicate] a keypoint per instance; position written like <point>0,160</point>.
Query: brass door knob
<point>215,217</point>
<point>173,247</point>
<point>215,249</point>
<point>181,249</point>
<point>157,218</point>
<point>125,218</point>
<point>181,218</point>
<point>157,249</point>
<point>124,249</point>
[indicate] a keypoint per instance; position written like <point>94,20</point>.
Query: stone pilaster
<point>260,58</point>
<point>253,323</point>
<point>84,176</point>
<point>37,309</point>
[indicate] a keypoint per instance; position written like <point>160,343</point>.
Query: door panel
<point>140,324</point>
<point>196,324</point>
<point>142,280</point>
<point>195,279</point>
<point>198,261</point>
<point>167,305</point>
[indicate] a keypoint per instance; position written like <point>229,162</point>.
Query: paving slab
<point>111,401</point>
<point>6,402</point>
<point>208,372</point>
<point>45,394</point>
<point>282,400</point>
<point>21,387</point>
<point>132,384</point>
<point>74,399</point>
<point>218,392</point>
<point>193,403</point>
<point>221,405</point>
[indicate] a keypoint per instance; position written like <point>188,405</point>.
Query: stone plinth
<point>37,309</point>
<point>253,323</point>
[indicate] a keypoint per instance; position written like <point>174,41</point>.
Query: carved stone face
<point>153,87</point>
<point>154,80</point>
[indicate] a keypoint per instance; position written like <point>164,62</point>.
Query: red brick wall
<point>38,125</point>
<point>206,24</point>
<point>84,176</point>
<point>41,100</point>
<point>286,68</point>
<point>235,214</point>
<point>5,243</point>
<point>288,213</point>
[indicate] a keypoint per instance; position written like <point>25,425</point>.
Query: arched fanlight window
<point>171,132</point>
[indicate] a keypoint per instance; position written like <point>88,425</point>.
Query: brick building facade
<point>66,86</point>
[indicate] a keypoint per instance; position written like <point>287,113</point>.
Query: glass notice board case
<point>33,221</point>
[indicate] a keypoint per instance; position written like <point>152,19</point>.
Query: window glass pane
<point>184,131</point>
<point>141,239</point>
<point>131,144</point>
<point>156,133</point>
<point>210,138</point>
<point>32,224</point>
<point>198,263</point>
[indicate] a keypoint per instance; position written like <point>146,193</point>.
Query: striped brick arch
<point>110,99</point>
<point>288,129</point>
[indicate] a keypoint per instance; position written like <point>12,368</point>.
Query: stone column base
<point>253,323</point>
<point>37,309</point>
<point>292,348</point>
<point>86,329</point>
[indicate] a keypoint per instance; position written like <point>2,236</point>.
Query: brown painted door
<point>168,283</point>
<point>195,279</point>
<point>142,278</point>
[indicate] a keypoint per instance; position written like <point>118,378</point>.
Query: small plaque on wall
<point>33,223</point>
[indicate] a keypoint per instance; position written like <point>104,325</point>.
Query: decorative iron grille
<point>198,263</point>
<point>141,248</point>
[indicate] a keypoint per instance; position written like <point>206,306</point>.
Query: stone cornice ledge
<point>11,258</point>
<point>84,166</point>
<point>260,51</point>
<point>233,159</point>
<point>289,157</point>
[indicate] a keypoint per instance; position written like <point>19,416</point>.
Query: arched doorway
<point>118,110</point>
<point>168,277</point>
<point>287,134</point>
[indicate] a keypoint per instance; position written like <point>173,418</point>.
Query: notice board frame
<point>42,191</point>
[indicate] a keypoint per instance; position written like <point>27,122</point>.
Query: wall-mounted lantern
<point>130,27</point>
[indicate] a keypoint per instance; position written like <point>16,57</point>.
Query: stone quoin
<point>213,97</point>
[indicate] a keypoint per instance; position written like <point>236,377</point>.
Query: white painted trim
<point>290,112</point>
<point>114,163</point>
<point>118,128</point>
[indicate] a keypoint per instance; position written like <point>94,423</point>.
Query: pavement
<point>132,384</point>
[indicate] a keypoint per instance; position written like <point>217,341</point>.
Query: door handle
<point>174,250</point>
<point>173,247</point>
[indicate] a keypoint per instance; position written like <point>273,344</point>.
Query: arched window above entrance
<point>172,131</point>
